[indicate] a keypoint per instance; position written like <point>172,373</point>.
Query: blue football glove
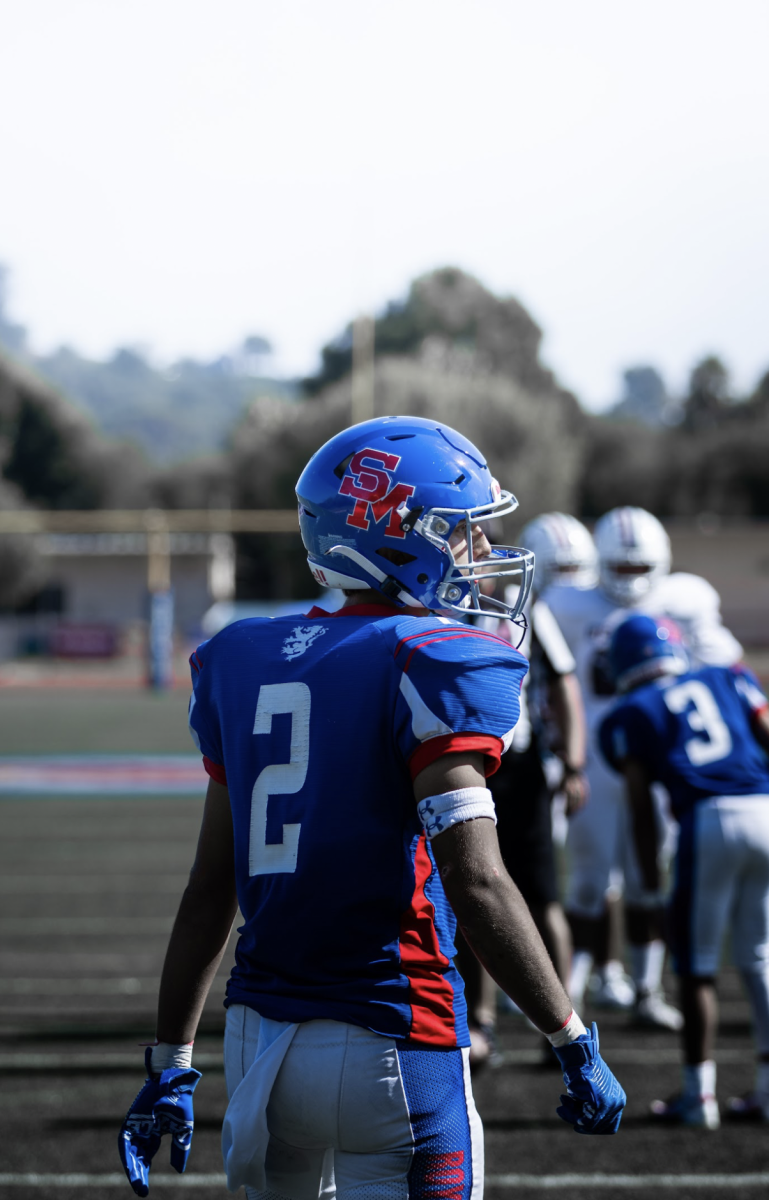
<point>164,1105</point>
<point>594,1100</point>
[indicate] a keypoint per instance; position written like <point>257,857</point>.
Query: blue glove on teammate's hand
<point>595,1099</point>
<point>164,1105</point>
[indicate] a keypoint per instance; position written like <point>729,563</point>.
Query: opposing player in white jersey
<point>347,815</point>
<point>551,726</point>
<point>634,575</point>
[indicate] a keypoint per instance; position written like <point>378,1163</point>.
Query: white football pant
<point>722,881</point>
<point>353,1115</point>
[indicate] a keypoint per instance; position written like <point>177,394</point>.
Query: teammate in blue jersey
<point>703,735</point>
<point>348,816</point>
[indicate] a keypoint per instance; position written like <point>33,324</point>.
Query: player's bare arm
<point>202,926</point>
<point>492,913</point>
<point>643,818</point>
<point>569,712</point>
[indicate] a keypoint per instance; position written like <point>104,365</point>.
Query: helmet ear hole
<point>399,558</point>
<point>341,467</point>
<point>422,578</point>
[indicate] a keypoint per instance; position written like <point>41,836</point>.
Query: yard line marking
<point>104,775</point>
<point>629,1056</point>
<point>540,1182</point>
<point>129,986</point>
<point>113,1179</point>
<point>552,1182</point>
<point>91,885</point>
<point>40,926</point>
<point>30,1062</point>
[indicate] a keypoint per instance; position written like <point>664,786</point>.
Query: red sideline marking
<point>65,775</point>
<point>431,994</point>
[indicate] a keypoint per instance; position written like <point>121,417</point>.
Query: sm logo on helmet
<point>373,491</point>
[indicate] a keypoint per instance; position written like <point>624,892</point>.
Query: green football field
<point>88,890</point>
<point>93,720</point>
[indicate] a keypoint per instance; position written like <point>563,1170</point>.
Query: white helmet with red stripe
<point>633,552</point>
<point>564,551</point>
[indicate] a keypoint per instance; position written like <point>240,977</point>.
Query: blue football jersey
<point>694,735</point>
<point>318,725</point>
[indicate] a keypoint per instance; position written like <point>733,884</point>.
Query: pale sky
<point>177,174</point>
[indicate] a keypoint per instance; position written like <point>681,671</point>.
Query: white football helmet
<point>633,552</point>
<point>563,549</point>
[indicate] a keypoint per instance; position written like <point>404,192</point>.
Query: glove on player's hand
<point>595,1099</point>
<point>164,1105</point>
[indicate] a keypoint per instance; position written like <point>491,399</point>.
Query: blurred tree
<point>54,456</point>
<point>20,566</point>
<point>624,465</point>
<point>645,398</point>
<point>199,483</point>
<point>174,414</point>
<point>254,349</point>
<point>12,336</point>
<point>453,324</point>
<point>709,396</point>
<point>757,405</point>
<point>44,461</point>
<point>723,471</point>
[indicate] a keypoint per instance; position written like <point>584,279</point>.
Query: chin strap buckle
<point>391,588</point>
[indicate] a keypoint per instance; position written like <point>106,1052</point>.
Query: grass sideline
<point>93,721</point>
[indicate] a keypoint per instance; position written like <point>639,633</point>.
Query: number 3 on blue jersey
<point>704,717</point>
<point>279,779</point>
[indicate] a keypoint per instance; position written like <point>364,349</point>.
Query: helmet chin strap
<point>388,585</point>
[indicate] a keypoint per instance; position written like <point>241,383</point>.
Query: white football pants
<point>722,881</point>
<point>354,1116</point>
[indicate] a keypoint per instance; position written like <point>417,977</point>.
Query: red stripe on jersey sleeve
<point>457,743</point>
<point>430,993</point>
<point>449,637</point>
<point>446,635</point>
<point>215,770</point>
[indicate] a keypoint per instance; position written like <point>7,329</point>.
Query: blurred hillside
<point>171,414</point>
<point>450,350</point>
<point>713,458</point>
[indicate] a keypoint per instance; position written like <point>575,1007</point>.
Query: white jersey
<point>548,654</point>
<point>588,618</point>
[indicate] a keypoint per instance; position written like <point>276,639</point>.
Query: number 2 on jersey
<point>704,717</point>
<point>279,779</point>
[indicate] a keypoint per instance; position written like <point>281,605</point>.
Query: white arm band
<point>568,1032</point>
<point>168,1054</point>
<point>452,808</point>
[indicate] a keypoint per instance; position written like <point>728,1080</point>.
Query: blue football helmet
<point>642,648</point>
<point>378,505</point>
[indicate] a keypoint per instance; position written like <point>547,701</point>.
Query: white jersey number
<point>279,779</point>
<point>704,717</point>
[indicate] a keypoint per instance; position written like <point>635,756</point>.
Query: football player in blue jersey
<point>703,735</point>
<point>347,815</point>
